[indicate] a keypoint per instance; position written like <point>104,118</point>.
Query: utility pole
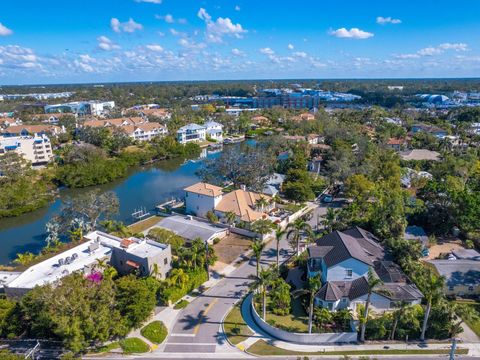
<point>207,267</point>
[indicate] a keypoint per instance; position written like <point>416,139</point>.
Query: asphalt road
<point>197,328</point>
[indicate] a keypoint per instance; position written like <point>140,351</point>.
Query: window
<point>348,273</point>
<point>450,288</point>
<point>165,261</point>
<point>330,306</point>
<point>470,288</point>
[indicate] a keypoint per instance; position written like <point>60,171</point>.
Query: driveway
<point>197,330</point>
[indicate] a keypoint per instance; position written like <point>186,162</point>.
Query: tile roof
<point>204,189</point>
<point>242,204</point>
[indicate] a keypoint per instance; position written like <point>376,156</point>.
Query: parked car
<point>326,198</point>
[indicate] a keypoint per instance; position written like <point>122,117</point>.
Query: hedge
<point>175,293</point>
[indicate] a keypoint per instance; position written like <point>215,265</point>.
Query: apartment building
<point>36,149</point>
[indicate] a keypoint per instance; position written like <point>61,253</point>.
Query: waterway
<point>143,187</point>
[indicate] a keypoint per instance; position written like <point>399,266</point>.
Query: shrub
<point>156,332</point>
<point>181,304</point>
<point>216,241</point>
<point>175,293</point>
<point>134,346</point>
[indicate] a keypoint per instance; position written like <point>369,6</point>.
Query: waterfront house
<point>201,198</point>
<point>191,133</point>
<point>343,259</point>
<point>146,131</point>
<point>214,130</point>
<point>36,149</point>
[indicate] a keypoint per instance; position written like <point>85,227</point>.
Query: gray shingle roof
<point>401,292</point>
<point>335,290</point>
<point>458,272</point>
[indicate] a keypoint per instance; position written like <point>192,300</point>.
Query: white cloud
<point>106,44</point>
<point>154,47</point>
<point>4,31</point>
<point>188,44</point>
<point>237,8</point>
<point>220,27</point>
<point>267,51</point>
<point>429,51</point>
<point>387,20</point>
<point>408,56</point>
<point>353,33</point>
<point>167,18</point>
<point>300,54</point>
<point>237,52</point>
<point>290,46</point>
<point>129,26</point>
<point>17,57</point>
<point>454,46</point>
<point>149,1</point>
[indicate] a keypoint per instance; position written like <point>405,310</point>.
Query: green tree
<point>280,296</point>
<point>257,247</point>
<point>313,285</point>
<point>295,231</point>
<point>432,289</point>
<point>279,234</point>
<point>374,283</point>
<point>262,227</point>
<point>261,283</point>
<point>322,317</point>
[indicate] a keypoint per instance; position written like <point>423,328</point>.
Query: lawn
<point>296,321</point>
<point>474,325</point>
<point>144,224</point>
<point>234,326</point>
<point>134,346</point>
<point>263,348</point>
<point>107,348</point>
<point>156,332</point>
<point>181,304</point>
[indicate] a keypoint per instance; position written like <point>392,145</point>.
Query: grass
<point>181,304</point>
<point>235,327</point>
<point>107,348</point>
<point>156,332</point>
<point>134,345</point>
<point>144,224</point>
<point>263,348</point>
<point>296,321</point>
<point>474,325</point>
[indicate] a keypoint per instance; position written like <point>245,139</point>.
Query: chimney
<point>243,187</point>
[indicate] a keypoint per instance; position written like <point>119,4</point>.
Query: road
<point>197,328</point>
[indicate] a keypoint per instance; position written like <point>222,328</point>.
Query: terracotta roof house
<point>343,260</point>
<point>420,154</point>
<point>28,130</point>
<point>260,120</point>
<point>396,144</point>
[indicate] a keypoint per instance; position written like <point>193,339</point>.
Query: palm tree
<point>322,317</point>
<point>279,233</point>
<point>330,219</point>
<point>397,315</point>
<point>431,288</point>
<point>262,226</point>
<point>260,284</point>
<point>178,277</point>
<point>155,270</point>
<point>261,202</point>
<point>373,283</point>
<point>295,231</point>
<point>230,217</point>
<point>314,284</point>
<point>257,247</point>
<point>25,258</point>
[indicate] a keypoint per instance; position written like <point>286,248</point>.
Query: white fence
<point>300,338</point>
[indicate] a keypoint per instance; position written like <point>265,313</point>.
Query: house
<point>419,155</point>
<point>146,131</point>
<point>191,133</point>
<point>190,228</point>
<point>260,120</point>
<point>396,144</point>
<point>411,176</point>
<point>313,139</point>
<point>201,198</point>
<point>245,205</point>
<point>31,130</point>
<point>274,184</point>
<point>462,276</point>
<point>315,164</point>
<point>343,259</point>
<point>416,233</point>
<point>162,114</point>
<point>429,129</point>
<point>143,256</point>
<point>214,130</point>
<point>35,149</point>
<point>304,117</point>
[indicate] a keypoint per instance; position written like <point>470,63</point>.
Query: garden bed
<point>155,332</point>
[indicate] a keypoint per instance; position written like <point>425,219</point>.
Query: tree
<point>261,203</point>
<point>322,317</point>
<point>165,236</point>
<point>24,258</point>
<point>295,231</point>
<point>397,315</point>
<point>230,217</point>
<point>432,289</point>
<point>178,277</point>
<point>313,285</point>
<point>211,217</point>
<point>279,234</point>
<point>330,219</point>
<point>262,227</point>
<point>373,283</point>
<point>261,283</point>
<point>257,247</point>
<point>280,296</point>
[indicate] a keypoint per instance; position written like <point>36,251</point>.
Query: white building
<point>126,255</point>
<point>191,133</point>
<point>36,149</point>
<point>146,131</point>
<point>201,198</point>
<point>214,130</point>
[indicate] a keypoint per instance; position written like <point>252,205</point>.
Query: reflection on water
<point>145,187</point>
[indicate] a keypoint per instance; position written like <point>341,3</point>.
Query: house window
<point>470,288</point>
<point>165,261</point>
<point>344,300</point>
<point>348,273</point>
<point>450,288</point>
<point>330,306</point>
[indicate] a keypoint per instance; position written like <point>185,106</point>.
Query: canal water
<point>143,187</point>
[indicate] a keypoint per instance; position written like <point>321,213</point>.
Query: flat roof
<point>8,276</point>
<point>50,270</point>
<point>190,228</point>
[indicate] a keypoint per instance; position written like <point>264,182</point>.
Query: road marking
<point>195,330</point>
<point>194,344</point>
<point>185,335</point>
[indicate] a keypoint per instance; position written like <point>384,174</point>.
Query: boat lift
<point>139,214</point>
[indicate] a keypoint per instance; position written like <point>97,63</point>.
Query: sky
<point>73,41</point>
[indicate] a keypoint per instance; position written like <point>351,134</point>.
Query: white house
<point>146,131</point>
<point>201,198</point>
<point>342,259</point>
<point>214,130</point>
<point>191,132</point>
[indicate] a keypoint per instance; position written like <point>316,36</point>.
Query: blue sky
<point>59,41</point>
